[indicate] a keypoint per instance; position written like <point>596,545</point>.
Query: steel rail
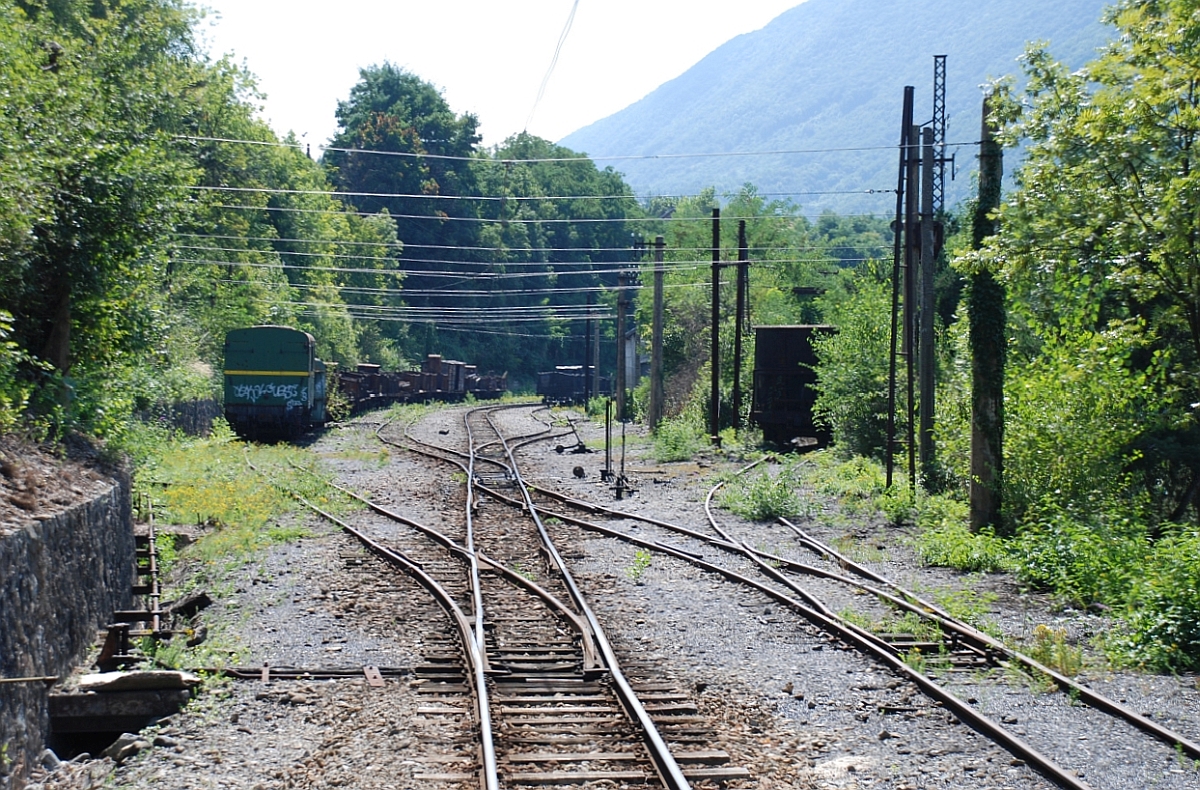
<point>476,657</point>
<point>591,656</point>
<point>913,603</point>
<point>1075,689</point>
<point>958,707</point>
<point>664,762</point>
<point>491,769</point>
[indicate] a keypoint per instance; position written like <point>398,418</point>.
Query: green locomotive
<point>274,383</point>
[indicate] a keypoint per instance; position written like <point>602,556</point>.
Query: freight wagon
<point>784,381</point>
<point>274,383</point>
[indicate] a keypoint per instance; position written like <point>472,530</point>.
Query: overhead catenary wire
<point>458,275</point>
<point>560,221</point>
<point>398,245</point>
<point>562,39</point>
<point>552,159</point>
<point>484,275</point>
<point>504,263</point>
<point>443,328</point>
<point>453,294</point>
<point>504,198</point>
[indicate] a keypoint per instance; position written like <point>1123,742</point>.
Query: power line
<point>552,159</point>
<point>463,276</point>
<point>562,39</point>
<point>444,218</point>
<point>455,294</point>
<point>460,316</point>
<point>507,198</point>
<point>557,267</point>
<point>405,245</point>
<point>442,328</point>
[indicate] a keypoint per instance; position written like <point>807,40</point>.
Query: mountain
<point>830,74</point>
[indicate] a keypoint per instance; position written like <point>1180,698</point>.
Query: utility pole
<point>596,359</point>
<point>739,322</point>
<point>926,358</point>
<point>939,132</point>
<point>587,351</point>
<point>656,339</point>
<point>714,407</point>
<point>911,261</point>
<point>897,273</point>
<point>985,305</point>
<point>622,284</point>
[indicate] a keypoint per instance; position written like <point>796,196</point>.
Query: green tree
<point>1102,228</point>
<point>92,96</point>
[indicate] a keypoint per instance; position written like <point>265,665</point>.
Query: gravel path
<point>796,708</point>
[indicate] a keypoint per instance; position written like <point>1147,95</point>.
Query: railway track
<point>526,665</point>
<point>548,696</point>
<point>943,645</point>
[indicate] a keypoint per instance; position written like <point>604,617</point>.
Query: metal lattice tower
<point>939,132</point>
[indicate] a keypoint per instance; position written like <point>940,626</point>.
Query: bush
<point>678,439</point>
<point>953,545</point>
<point>1069,413</point>
<point>762,496</point>
<point>1086,561</point>
<point>852,367</point>
<point>1164,608</point>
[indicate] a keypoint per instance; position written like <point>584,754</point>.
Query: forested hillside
<point>829,74</point>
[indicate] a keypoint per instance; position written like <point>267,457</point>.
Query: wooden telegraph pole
<point>739,323</point>
<point>622,284</point>
<point>656,339</point>
<point>985,304</point>
<point>714,408</point>
<point>898,270</point>
<point>927,358</point>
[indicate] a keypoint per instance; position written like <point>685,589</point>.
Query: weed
<point>677,440</point>
<point>954,545</point>
<point>1050,648</point>
<point>915,659</point>
<point>164,547</point>
<point>858,551</point>
<point>641,561</point>
<point>763,496</point>
<point>968,606</point>
<point>521,571</point>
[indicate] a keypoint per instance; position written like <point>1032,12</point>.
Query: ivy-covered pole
<point>985,303</point>
<point>714,405</point>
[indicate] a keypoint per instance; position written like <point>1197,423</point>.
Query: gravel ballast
<point>795,707</point>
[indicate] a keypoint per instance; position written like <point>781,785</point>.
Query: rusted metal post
<point>587,352</point>
<point>622,284</point>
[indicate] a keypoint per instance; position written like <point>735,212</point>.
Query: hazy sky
<point>487,56</point>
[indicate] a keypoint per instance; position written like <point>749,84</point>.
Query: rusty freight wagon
<point>783,385</point>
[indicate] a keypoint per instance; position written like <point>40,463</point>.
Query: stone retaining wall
<point>61,579</point>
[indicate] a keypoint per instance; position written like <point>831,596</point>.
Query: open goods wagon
<point>566,384</point>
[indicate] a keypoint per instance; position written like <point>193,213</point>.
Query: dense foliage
<point>1097,251</point>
